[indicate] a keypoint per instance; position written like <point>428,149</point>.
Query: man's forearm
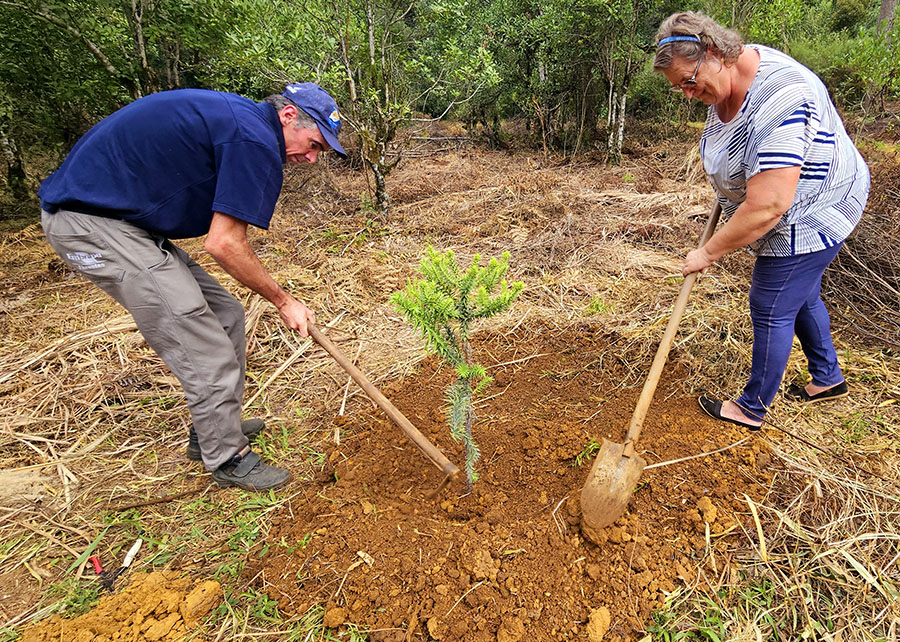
<point>243,264</point>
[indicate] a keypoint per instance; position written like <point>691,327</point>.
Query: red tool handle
<point>98,567</point>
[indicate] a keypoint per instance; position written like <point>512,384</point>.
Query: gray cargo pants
<point>190,320</point>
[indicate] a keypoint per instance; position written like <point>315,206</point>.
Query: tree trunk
<point>612,119</point>
<point>621,135</point>
<point>382,198</point>
<point>16,177</point>
<point>886,15</point>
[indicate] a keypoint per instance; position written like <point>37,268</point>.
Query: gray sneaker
<point>250,427</point>
<point>250,473</point>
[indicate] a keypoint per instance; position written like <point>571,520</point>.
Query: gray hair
<point>304,120</point>
<point>726,43</point>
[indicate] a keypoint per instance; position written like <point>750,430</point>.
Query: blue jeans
<point>784,301</point>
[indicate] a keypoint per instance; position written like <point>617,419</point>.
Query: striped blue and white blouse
<point>788,119</point>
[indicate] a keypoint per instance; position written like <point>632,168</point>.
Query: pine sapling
<point>443,304</point>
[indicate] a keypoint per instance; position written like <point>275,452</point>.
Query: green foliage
<point>76,595</point>
<point>442,305</point>
<point>876,58</point>
<point>587,452</point>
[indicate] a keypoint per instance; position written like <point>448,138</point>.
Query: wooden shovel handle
<point>436,456</point>
<point>662,352</point>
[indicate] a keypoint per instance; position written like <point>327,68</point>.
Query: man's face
<point>301,145</point>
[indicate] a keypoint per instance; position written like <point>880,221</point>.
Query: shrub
<point>443,304</point>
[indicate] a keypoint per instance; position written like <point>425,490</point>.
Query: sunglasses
<point>690,82</point>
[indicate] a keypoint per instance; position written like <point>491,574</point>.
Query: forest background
<point>573,72</point>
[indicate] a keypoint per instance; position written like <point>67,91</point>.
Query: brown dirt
<point>507,561</point>
<point>156,607</point>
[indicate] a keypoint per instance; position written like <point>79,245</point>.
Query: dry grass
<point>90,409</point>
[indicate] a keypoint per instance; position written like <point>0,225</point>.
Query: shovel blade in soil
<point>609,486</point>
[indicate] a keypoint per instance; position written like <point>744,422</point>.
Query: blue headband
<point>666,41</point>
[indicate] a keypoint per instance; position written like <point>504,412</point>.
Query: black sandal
<point>713,408</point>
<point>798,393</point>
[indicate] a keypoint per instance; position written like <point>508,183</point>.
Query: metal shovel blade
<point>609,486</point>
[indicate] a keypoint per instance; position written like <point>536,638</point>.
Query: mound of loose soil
<point>507,562</point>
<point>156,607</point>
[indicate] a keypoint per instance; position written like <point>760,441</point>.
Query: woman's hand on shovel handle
<point>296,315</point>
<point>697,261</point>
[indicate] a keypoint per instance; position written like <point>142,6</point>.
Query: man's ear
<point>287,115</point>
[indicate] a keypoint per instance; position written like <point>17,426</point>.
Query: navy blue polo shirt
<point>167,161</point>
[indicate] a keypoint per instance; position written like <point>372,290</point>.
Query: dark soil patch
<point>508,561</point>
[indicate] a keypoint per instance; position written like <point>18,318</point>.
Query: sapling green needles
<point>443,304</point>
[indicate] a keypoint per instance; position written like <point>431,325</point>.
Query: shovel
<point>617,467</point>
<point>450,470</point>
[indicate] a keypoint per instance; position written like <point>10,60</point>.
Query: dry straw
<point>88,407</point>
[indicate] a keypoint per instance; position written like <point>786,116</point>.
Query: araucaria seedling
<point>442,305</point>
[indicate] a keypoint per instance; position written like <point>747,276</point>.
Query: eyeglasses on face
<point>691,82</point>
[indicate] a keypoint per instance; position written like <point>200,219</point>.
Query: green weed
<point>9,635</point>
<point>855,428</point>
<point>77,596</point>
<point>275,444</point>
<point>310,627</point>
<point>315,457</point>
<point>597,305</point>
<point>728,613</point>
<point>587,452</point>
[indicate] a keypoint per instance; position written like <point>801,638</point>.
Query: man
<point>181,164</point>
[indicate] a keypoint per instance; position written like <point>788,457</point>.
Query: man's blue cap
<point>321,107</point>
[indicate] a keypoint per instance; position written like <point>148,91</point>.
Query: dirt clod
<point>512,629</point>
<point>707,510</point>
<point>335,617</point>
<point>155,607</point>
<point>598,624</point>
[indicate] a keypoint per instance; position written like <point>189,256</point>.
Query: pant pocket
<point>89,254</point>
<point>176,287</point>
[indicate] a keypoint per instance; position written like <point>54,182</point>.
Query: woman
<point>793,185</point>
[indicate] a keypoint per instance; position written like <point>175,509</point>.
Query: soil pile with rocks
<point>155,607</point>
<point>507,561</point>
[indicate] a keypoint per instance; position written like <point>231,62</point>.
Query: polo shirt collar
<point>271,114</point>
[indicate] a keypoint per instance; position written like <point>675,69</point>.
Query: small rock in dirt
<point>598,624</point>
<point>618,535</point>
<point>481,565</point>
<point>459,629</point>
<point>512,629</point>
<point>495,516</point>
<point>593,571</point>
<point>707,510</point>
<point>335,617</point>
<point>531,442</point>
<point>543,498</point>
<point>199,602</point>
<point>643,579</point>
<point>436,628</point>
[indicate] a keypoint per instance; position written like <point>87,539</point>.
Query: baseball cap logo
<point>334,119</point>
